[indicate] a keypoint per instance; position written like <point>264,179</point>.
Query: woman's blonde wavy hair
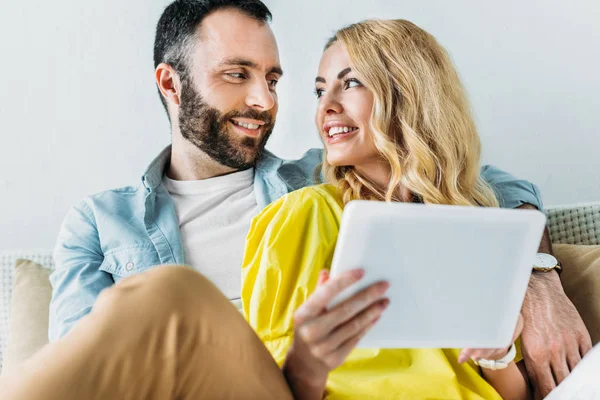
<point>421,121</point>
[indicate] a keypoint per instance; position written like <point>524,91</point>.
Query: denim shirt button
<point>129,266</point>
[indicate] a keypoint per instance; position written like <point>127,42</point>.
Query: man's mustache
<point>250,114</point>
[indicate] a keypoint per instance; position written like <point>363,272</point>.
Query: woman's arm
<point>323,338</point>
<point>285,295</point>
<point>511,382</point>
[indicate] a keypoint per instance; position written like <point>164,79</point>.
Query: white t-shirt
<point>214,218</point>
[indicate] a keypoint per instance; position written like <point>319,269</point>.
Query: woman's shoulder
<point>317,196</point>
<point>320,201</point>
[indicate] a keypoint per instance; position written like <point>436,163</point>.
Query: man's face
<point>228,102</point>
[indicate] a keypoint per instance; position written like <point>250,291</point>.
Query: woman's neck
<point>379,173</point>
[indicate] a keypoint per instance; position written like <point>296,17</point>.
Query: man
<point>217,68</point>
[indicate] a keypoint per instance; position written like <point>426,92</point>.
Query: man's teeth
<point>245,125</point>
<point>341,129</point>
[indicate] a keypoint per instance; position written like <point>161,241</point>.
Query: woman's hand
<point>324,338</point>
<point>491,354</point>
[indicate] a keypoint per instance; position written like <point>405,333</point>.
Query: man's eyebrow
<point>342,73</point>
<point>276,70</point>
<point>239,61</point>
<point>250,64</point>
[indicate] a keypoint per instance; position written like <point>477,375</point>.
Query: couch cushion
<point>28,328</point>
<point>8,260</point>
<point>581,281</point>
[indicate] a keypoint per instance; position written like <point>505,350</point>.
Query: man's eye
<point>237,75</point>
<point>273,83</point>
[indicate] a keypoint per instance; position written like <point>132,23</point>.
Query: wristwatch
<point>498,364</point>
<point>546,262</point>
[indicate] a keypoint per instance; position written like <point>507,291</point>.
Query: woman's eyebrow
<point>342,73</point>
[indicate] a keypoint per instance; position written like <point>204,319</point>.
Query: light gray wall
<point>79,111</point>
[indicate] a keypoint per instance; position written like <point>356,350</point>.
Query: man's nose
<point>260,97</point>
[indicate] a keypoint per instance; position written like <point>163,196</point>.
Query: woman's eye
<point>318,93</point>
<point>350,83</point>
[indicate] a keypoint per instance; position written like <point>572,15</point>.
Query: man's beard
<point>206,128</point>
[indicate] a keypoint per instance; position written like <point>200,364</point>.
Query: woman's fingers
<point>321,327</point>
<point>324,294</point>
<point>329,335</point>
<point>323,277</point>
<point>491,354</point>
<point>477,354</point>
<point>338,356</point>
<point>353,327</point>
<point>466,354</point>
<point>352,306</point>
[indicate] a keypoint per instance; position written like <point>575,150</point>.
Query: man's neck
<point>189,163</point>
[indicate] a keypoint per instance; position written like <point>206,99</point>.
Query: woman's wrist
<point>302,380</point>
<point>499,363</point>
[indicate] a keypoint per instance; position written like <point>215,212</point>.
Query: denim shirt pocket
<point>128,261</point>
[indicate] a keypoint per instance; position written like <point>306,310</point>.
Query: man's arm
<point>510,191</point>
<point>77,279</point>
<point>554,338</point>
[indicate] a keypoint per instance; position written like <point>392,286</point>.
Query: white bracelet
<point>498,364</point>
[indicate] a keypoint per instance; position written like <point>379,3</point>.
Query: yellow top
<point>289,242</point>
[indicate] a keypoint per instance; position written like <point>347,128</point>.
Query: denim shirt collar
<point>153,175</point>
<point>268,184</point>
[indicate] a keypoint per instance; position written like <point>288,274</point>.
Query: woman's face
<point>344,111</point>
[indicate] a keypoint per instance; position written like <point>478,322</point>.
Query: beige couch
<point>26,286</point>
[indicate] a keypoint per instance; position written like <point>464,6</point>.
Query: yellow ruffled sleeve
<point>289,243</point>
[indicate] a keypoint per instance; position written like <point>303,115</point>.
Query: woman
<point>396,127</point>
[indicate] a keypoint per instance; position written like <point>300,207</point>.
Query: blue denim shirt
<point>118,233</point>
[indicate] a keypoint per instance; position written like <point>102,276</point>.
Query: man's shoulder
<point>105,222</point>
<point>298,173</point>
<point>311,156</point>
<point>116,200</point>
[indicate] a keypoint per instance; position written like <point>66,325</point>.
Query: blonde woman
<point>396,126</point>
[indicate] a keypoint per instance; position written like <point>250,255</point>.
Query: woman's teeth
<point>245,125</point>
<point>340,129</point>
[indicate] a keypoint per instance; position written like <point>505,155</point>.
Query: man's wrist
<point>541,277</point>
<point>543,287</point>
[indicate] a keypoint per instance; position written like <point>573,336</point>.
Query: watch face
<point>543,260</point>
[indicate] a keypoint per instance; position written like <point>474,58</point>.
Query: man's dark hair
<point>176,29</point>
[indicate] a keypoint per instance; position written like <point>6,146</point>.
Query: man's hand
<point>554,338</point>
<point>324,338</point>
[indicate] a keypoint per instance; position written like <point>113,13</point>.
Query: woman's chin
<point>338,161</point>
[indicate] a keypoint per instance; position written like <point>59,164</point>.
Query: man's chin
<point>249,155</point>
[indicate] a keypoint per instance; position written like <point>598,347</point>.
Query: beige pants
<point>164,334</point>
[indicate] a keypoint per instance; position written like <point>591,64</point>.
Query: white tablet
<point>458,275</point>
